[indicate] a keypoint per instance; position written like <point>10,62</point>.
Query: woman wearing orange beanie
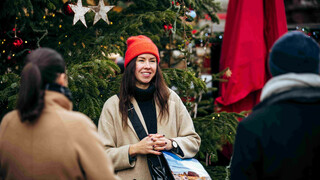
<point>162,114</point>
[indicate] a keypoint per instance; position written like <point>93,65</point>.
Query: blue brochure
<point>185,168</point>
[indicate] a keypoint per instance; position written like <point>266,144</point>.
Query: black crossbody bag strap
<point>135,121</point>
<point>138,127</point>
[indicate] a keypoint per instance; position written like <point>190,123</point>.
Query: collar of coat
<point>286,82</point>
<point>299,95</point>
<point>56,99</point>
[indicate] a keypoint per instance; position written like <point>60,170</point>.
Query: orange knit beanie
<point>140,45</point>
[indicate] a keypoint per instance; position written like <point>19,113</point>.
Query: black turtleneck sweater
<point>146,104</point>
<point>145,99</point>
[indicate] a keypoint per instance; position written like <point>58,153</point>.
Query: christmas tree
<point>91,35</point>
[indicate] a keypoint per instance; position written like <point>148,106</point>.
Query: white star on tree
<point>101,12</point>
<point>79,12</point>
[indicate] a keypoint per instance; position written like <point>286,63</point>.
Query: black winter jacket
<point>280,139</point>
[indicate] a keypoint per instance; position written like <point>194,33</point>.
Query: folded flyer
<point>185,168</point>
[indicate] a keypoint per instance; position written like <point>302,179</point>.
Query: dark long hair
<point>43,66</point>
<point>128,85</point>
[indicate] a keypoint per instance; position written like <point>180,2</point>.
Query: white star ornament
<point>101,12</point>
<point>79,12</point>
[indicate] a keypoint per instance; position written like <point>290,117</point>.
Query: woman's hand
<point>146,146</point>
<point>161,142</point>
<point>152,144</point>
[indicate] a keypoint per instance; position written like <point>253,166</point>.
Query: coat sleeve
<point>246,155</point>
<point>107,130</point>
<point>94,162</point>
<point>187,138</point>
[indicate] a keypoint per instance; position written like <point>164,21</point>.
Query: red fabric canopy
<point>251,28</point>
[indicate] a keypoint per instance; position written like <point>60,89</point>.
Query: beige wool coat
<point>61,144</point>
<point>177,126</point>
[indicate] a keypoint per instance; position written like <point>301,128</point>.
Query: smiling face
<point>146,67</point>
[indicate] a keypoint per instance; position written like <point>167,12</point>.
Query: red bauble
<point>16,44</point>
<point>67,9</point>
<point>194,31</point>
<point>167,27</point>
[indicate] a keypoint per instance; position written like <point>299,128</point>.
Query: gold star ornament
<point>101,12</point>
<point>228,73</point>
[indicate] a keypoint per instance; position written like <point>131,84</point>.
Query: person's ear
<point>62,79</point>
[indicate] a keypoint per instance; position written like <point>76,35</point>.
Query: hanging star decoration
<point>101,12</point>
<point>79,12</point>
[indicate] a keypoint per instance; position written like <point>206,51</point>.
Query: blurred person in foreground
<point>43,138</point>
<point>281,138</point>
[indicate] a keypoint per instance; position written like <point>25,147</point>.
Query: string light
<point>66,36</point>
<point>59,42</point>
<point>60,26</point>
<point>53,15</point>
<point>26,42</point>
<point>44,17</point>
<point>4,51</point>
